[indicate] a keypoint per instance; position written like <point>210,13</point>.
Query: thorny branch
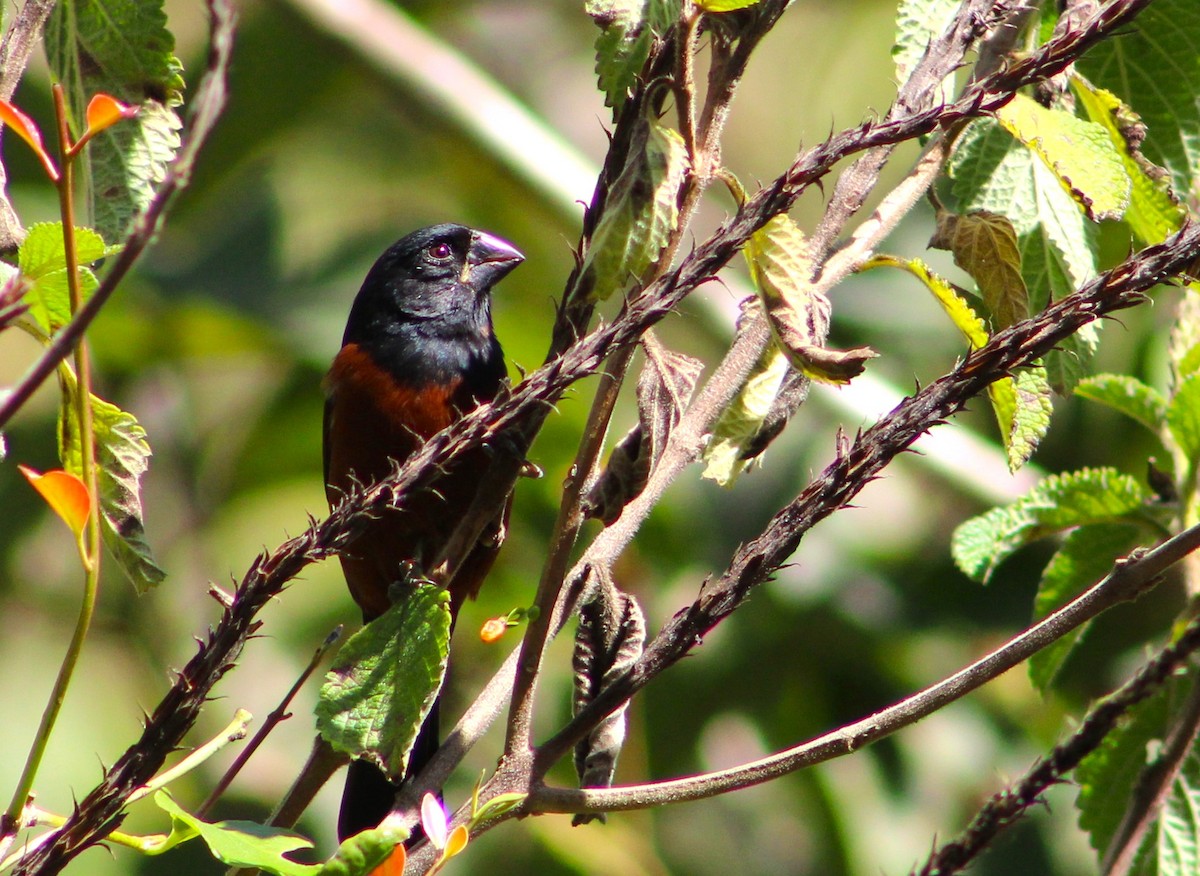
<point>527,405</point>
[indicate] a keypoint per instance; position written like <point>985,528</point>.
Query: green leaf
<point>1183,346</point>
<point>743,418</point>
<point>1085,556</point>
<point>1079,153</point>
<point>123,454</point>
<point>1152,68</point>
<point>918,22</point>
<point>798,314</point>
<point>1183,419</point>
<point>363,852</point>
<point>241,843</point>
<point>1023,409</point>
<point>123,49</point>
<point>984,244</point>
<point>629,28</point>
<point>1062,501</point>
<point>41,260</point>
<point>385,679</point>
<point>1154,212</point>
<point>1127,395</point>
<point>1108,781</point>
<point>641,213</point>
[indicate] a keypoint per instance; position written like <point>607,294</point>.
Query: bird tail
<point>369,795</point>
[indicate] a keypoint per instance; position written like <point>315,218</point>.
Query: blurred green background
<point>219,342</point>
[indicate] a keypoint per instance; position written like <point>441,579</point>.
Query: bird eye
<point>439,251</point>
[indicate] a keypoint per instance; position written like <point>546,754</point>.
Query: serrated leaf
<point>1154,212</point>
<point>984,244</point>
<point>1151,68</point>
<point>385,679</point>
<point>41,260</point>
<point>917,23</point>
<point>1077,151</point>
<point>641,212</point>
<point>1062,501</point>
<point>1129,396</point>
<point>241,843</point>
<point>629,28</point>
<point>1023,409</point>
<point>125,50</point>
<point>1085,556</point>
<point>1183,419</point>
<point>123,454</point>
<point>362,853</point>
<point>740,422</point>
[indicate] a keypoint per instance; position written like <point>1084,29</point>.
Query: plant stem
<point>83,427</point>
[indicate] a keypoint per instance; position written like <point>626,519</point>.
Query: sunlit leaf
<point>123,454</point>
<point>379,852</point>
<point>743,418</point>
<point>41,259</point>
<point>1090,495</point>
<point>65,493</point>
<point>127,51</point>
<point>1154,211</point>
<point>1023,409</point>
<point>28,131</point>
<point>244,843</point>
<point>1130,396</point>
<point>104,111</point>
<point>918,22</point>
<point>1079,153</point>
<point>724,5</point>
<point>456,842</point>
<point>955,305</point>
<point>385,679</point>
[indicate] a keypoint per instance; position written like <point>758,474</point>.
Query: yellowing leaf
<point>956,307</point>
<point>743,418</point>
<point>1023,407</point>
<point>28,131</point>
<point>797,313</point>
<point>64,493</point>
<point>641,213</point>
<point>984,245</point>
<point>724,5</point>
<point>1079,153</point>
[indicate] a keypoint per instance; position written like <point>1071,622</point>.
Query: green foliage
<point>743,418</point>
<point>122,48</point>
<point>1135,69</point>
<point>385,679</point>
<point>238,843</point>
<point>642,212</point>
<point>917,22</point>
<point>629,27</point>
<point>1023,408</point>
<point>1085,556</point>
<point>42,263</point>
<point>1126,394</point>
<point>363,852</point>
<point>1091,495</point>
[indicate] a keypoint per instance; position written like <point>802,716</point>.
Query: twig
<point>279,714</point>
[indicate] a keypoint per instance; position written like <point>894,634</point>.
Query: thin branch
<point>1129,579</point>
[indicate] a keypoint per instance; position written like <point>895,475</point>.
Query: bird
<point>419,351</point>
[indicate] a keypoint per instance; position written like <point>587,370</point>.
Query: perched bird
<point>419,351</point>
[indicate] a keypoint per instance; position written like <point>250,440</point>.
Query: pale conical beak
<point>490,259</point>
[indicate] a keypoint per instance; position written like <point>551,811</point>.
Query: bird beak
<point>489,260</point>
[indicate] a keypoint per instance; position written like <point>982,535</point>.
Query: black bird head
<point>426,302</point>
